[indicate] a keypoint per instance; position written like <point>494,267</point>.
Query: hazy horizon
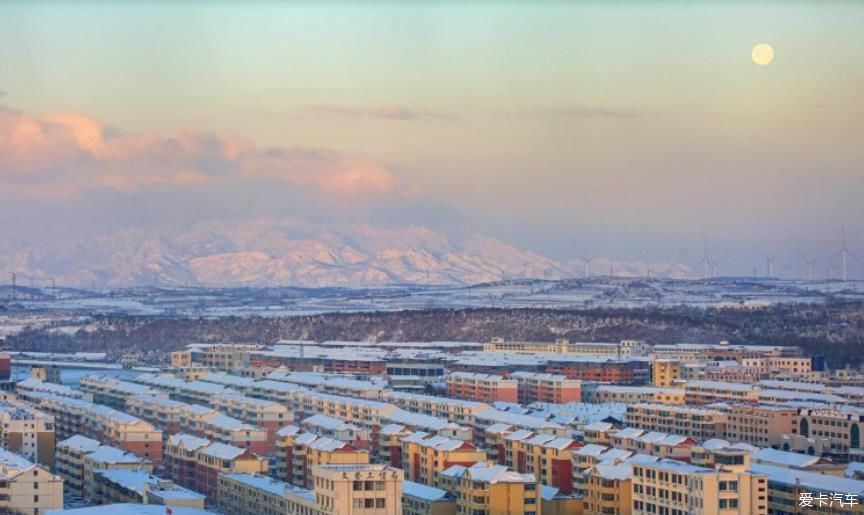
<point>633,132</point>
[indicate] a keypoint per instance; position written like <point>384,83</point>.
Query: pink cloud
<point>62,155</point>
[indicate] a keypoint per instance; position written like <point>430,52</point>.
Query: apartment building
<point>79,457</point>
<point>707,392</point>
<point>335,384</point>
<point>195,392</point>
<point>492,489</point>
<point>780,365</point>
<point>162,412</point>
<point>482,387</point>
<point>337,429</point>
<point>181,359</point>
<point>269,415</point>
<point>677,488</point>
<point>653,443</point>
<point>547,457</point>
<point>77,417</point>
<point>599,433</point>
<point>603,370</point>
<point>196,463</point>
<point>224,357</point>
<point>112,392</point>
<point>666,373</point>
<point>608,489</point>
<point>800,492</point>
<point>759,424</point>
<point>716,453</point>
<point>337,490</point>
<point>390,444</point>
<point>310,450</point>
<point>839,427</point>
<point>564,346</point>
<point>27,488</point>
<point>612,393</point>
<point>700,423</point>
<point>27,431</point>
<point>420,422</point>
<point>495,444</point>
<point>141,487</point>
<point>418,499</point>
<point>458,411</point>
<point>553,388</point>
<point>277,391</point>
<point>32,389</point>
<point>425,455</point>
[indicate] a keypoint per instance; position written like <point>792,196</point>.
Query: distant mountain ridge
<point>292,253</point>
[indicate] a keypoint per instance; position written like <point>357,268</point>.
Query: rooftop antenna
<point>844,252</point>
<point>769,265</point>
<point>705,261</point>
<point>811,266</point>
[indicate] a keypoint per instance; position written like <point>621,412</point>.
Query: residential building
<point>79,458</point>
<point>699,423</point>
<point>482,387</point>
<point>419,499</point>
<point>27,488</point>
<point>759,424</point>
<point>492,489</point>
<point>553,388</point>
<point>547,457</point>
<point>141,487</point>
<point>27,431</point>
<point>425,455</point>
<point>196,462</point>
<point>107,425</point>
<point>678,488</point>
<point>337,490</point>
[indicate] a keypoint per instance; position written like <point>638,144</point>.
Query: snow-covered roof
<point>426,493</point>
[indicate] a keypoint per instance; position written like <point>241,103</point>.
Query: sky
<point>634,131</point>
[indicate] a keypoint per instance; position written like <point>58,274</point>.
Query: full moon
<point>763,54</point>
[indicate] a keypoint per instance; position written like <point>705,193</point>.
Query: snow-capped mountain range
<point>292,253</point>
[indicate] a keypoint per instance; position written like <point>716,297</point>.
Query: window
<point>380,503</point>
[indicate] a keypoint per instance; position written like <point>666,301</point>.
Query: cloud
<point>381,112</point>
<point>582,112</point>
<point>63,155</point>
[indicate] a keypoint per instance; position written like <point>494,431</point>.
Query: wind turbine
<point>844,252</point>
<point>705,261</point>
<point>586,262</point>
<point>769,265</point>
<point>811,266</point>
<point>715,265</point>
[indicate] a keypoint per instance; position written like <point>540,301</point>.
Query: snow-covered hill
<point>292,253</point>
